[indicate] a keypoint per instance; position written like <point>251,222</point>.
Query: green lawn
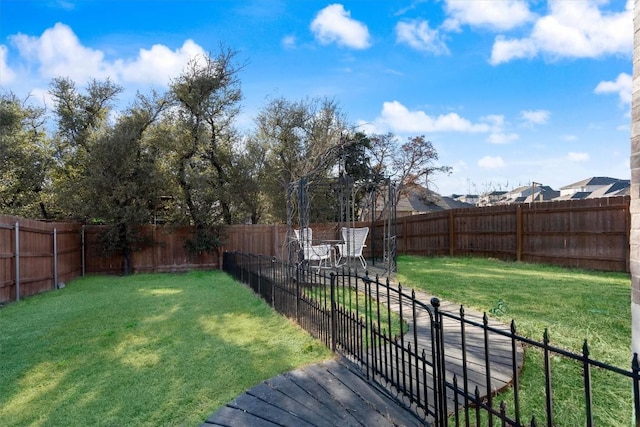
<point>157,349</point>
<point>573,304</point>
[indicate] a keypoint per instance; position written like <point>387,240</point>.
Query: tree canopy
<point>180,158</point>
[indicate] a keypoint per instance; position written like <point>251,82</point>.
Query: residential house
<point>416,199</point>
<point>472,199</point>
<point>490,199</point>
<point>595,187</point>
<point>528,194</point>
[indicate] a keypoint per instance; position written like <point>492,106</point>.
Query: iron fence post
<point>586,373</point>
<point>260,275</point>
<point>273,284</point>
<point>333,312</point>
<point>298,295</point>
<point>402,356</point>
<point>414,319</point>
<point>547,378</point>
<point>440,393</point>
<point>514,361</point>
<point>487,373</point>
<point>635,367</point>
<point>465,373</point>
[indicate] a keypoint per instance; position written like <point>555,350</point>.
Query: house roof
<point>595,180</point>
<point>452,203</point>
<point>523,194</point>
<point>575,196</point>
<point>420,199</point>
<point>619,188</point>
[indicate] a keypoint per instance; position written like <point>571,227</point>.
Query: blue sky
<point>508,91</point>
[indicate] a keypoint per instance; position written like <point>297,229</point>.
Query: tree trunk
<point>634,253</point>
<point>126,248</point>
<point>127,262</point>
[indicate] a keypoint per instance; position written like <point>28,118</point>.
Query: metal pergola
<point>377,202</point>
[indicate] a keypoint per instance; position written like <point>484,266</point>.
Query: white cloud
<point>573,29</point>
<point>569,138</point>
<point>398,118</point>
<point>334,24</point>
<point>367,127</point>
<point>158,64</point>
<point>503,138</point>
<point>577,157</point>
<point>621,86</point>
<point>7,75</point>
<point>418,35</point>
<point>68,5</point>
<point>59,53</point>
<point>42,96</point>
<point>535,117</point>
<point>496,15</point>
<point>495,120</point>
<point>288,42</point>
<point>490,162</point>
<point>505,50</point>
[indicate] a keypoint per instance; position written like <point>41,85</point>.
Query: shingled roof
<point>594,180</point>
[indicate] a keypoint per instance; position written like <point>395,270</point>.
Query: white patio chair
<point>354,242</point>
<point>310,252</point>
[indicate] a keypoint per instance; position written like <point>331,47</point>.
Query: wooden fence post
<point>519,234</point>
<point>452,237</point>
<point>17,259</point>
<point>274,241</point>
<point>55,258</point>
<point>82,252</point>
<point>404,236</point>
<point>155,248</point>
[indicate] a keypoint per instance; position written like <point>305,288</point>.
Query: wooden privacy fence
<point>592,234</point>
<point>37,256</point>
<point>167,254</point>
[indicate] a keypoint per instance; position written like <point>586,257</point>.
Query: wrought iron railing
<point>448,367</point>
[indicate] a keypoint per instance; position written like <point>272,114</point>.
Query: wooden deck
<point>329,394</point>
<point>337,392</point>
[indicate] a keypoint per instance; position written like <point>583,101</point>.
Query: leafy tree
<point>24,158</point>
<point>357,175</point>
<point>415,162</point>
<point>207,96</point>
<point>248,175</point>
<point>408,164</point>
<point>124,180</point>
<point>356,158</point>
<point>80,120</point>
<point>303,140</point>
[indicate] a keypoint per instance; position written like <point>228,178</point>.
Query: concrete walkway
<point>335,393</point>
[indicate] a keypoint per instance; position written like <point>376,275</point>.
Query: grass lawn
<point>573,304</point>
<point>142,350</point>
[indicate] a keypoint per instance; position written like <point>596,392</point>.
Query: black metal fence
<point>449,368</point>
